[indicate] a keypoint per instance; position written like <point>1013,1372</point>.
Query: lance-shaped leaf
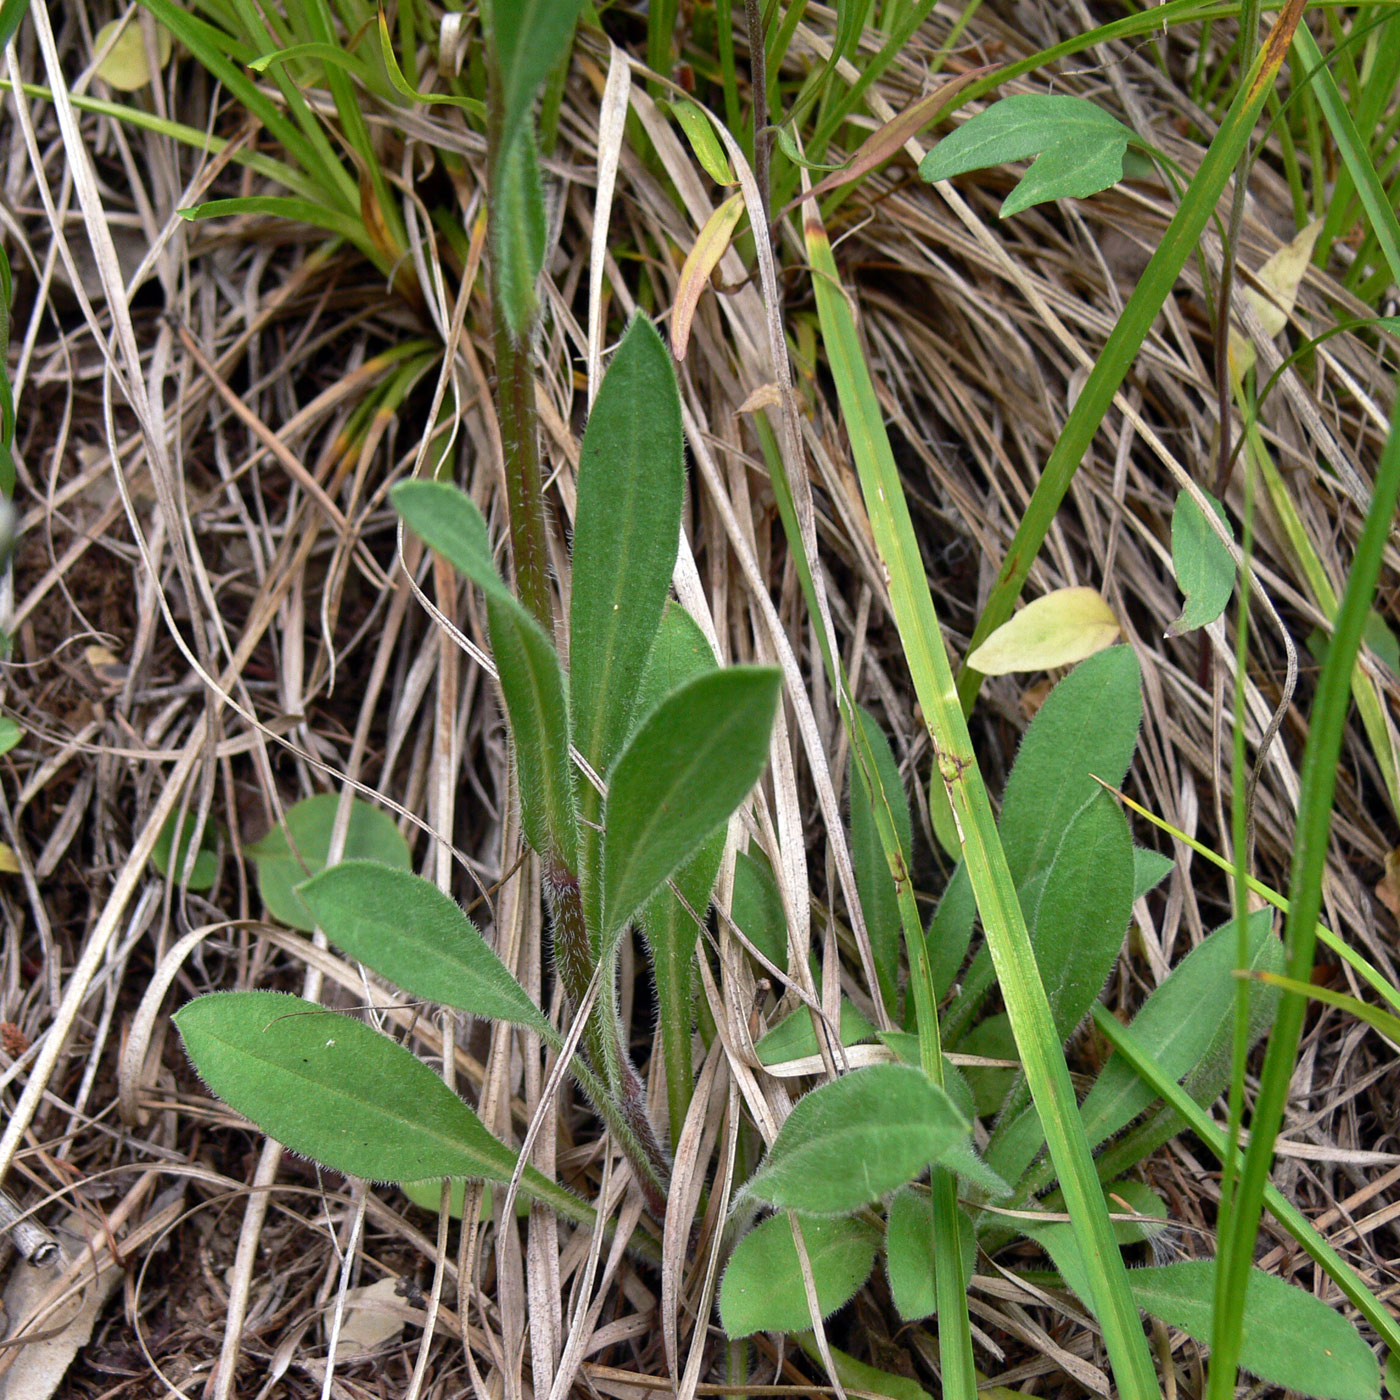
<point>1289,1337</point>
<point>879,900</point>
<point>528,37</point>
<point>762,1289</point>
<point>690,764</point>
<point>410,932</point>
<point>1205,572</point>
<point>851,1141</point>
<point>331,1088</point>
<point>669,919</point>
<point>631,480</point>
<point>447,520</point>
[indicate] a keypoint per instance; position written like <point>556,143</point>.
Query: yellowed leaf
<point>1280,277</point>
<point>700,262</point>
<point>126,66</point>
<point>9,861</point>
<point>1388,891</point>
<point>765,396</point>
<point>1057,630</point>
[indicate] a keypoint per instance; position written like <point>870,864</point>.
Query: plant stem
<point>520,439</point>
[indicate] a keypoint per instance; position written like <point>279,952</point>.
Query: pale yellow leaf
<point>1057,630</point>
<point>700,262</point>
<point>1280,277</point>
<point>373,1315</point>
<point>126,66</point>
<point>9,861</point>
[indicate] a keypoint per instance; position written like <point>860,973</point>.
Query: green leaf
<point>631,481</point>
<point>858,1376</point>
<point>1078,923</point>
<point>1205,572</point>
<point>206,864</point>
<point>331,1088</point>
<point>680,654</point>
<point>519,228</point>
<point>446,519</point>
<point>950,929</point>
<point>762,1289</point>
<point>851,1141</point>
<point>703,141</point>
<point>286,857</point>
<point>10,733</point>
<point>757,908</point>
<point>532,682</point>
<point>1150,868</point>
<point>528,37</point>
<point>692,762</point>
<point>993,1040</point>
<point>1086,728</point>
<point>417,937</point>
<point>879,900</point>
<point>1289,1338</point>
<point>1077,919</point>
<point>1187,1026</point>
<point>1079,148</point>
<point>909,1256</point>
<point>794,1037</point>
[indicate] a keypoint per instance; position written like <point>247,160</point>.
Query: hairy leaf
<point>851,1141</point>
<point>286,857</point>
<point>631,480</point>
<point>909,1254</point>
<point>694,759</point>
<point>329,1087</point>
<point>410,932</point>
<point>762,1289</point>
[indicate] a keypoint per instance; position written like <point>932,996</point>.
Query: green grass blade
<point>1319,779</point>
<point>1179,242</point>
<point>1024,994</point>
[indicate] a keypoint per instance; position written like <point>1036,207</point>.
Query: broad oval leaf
<point>1205,572</point>
<point>1055,630</point>
<point>762,1288</point>
<point>691,763</point>
<point>287,857</point>
<point>169,855</point>
<point>757,908</point>
<point>127,65</point>
<point>795,1037</point>
<point>417,937</point>
<point>10,732</point>
<point>331,1088</point>
<point>909,1254</point>
<point>1079,148</point>
<point>708,148</point>
<point>849,1142</point>
<point>631,480</point>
